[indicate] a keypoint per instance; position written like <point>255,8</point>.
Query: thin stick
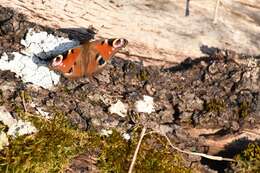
<point>197,154</point>
<point>137,149</point>
<point>23,101</point>
<point>216,12</point>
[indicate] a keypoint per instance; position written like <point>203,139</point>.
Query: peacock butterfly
<point>87,58</point>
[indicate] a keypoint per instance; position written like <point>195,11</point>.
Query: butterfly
<point>88,58</point>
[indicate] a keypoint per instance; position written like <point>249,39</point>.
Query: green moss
<point>153,156</point>
<point>215,105</point>
<point>46,151</point>
<point>18,109</point>
<point>156,156</point>
<point>244,108</point>
<point>57,142</point>
<point>143,75</point>
<point>1,97</point>
<point>249,159</point>
<point>115,156</point>
<point>26,96</point>
<point>2,127</point>
<point>132,66</point>
<point>65,89</point>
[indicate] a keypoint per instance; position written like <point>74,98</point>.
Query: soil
<point>198,102</point>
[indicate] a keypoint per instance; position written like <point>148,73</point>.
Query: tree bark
<point>158,31</point>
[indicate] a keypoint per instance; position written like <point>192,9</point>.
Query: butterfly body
<point>87,58</point>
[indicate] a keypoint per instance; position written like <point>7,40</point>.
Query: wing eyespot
<point>119,43</point>
<point>100,60</point>
<point>69,73</point>
<point>57,60</point>
<point>70,70</point>
<point>110,42</point>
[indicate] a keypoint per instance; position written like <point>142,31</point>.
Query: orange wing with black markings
<point>88,58</point>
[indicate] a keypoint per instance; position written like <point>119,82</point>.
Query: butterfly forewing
<point>88,58</point>
<point>67,60</point>
<point>77,69</point>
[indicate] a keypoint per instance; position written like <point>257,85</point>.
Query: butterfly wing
<point>108,47</point>
<point>100,52</point>
<point>88,58</point>
<point>69,62</point>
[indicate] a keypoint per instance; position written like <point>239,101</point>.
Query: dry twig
<point>197,154</point>
<point>23,101</point>
<point>137,149</point>
<point>189,152</point>
<point>218,158</point>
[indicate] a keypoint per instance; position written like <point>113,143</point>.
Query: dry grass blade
<point>23,101</point>
<point>198,154</point>
<point>137,149</point>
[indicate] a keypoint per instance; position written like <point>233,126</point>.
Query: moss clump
<point>1,97</point>
<point>215,105</point>
<point>18,108</point>
<point>116,154</point>
<point>244,108</point>
<point>65,89</point>
<point>143,75</point>
<point>3,128</point>
<point>26,96</point>
<point>153,156</point>
<point>130,66</point>
<point>157,156</point>
<point>249,159</point>
<point>46,151</point>
<point>57,141</point>
<point>140,73</point>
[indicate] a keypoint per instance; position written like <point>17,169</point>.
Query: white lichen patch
<point>3,140</point>
<point>21,128</point>
<point>105,132</point>
<point>145,106</point>
<point>15,128</point>
<point>31,63</point>
<point>118,108</point>
<point>41,112</point>
<point>6,118</point>
<point>126,136</point>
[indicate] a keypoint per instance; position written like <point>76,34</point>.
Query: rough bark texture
<point>155,29</point>
<point>198,102</point>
